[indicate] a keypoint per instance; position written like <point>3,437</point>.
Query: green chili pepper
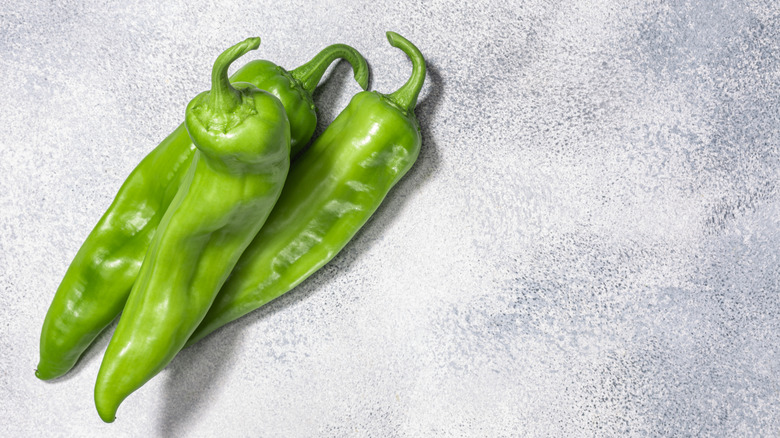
<point>96,285</point>
<point>243,138</point>
<point>332,190</point>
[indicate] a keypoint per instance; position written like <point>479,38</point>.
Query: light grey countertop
<point>587,246</point>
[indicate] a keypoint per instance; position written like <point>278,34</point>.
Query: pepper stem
<point>406,96</point>
<point>309,74</point>
<point>223,97</point>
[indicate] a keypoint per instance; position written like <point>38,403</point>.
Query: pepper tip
<point>107,415</point>
<point>391,37</point>
<point>253,43</point>
<point>106,402</point>
<point>44,373</point>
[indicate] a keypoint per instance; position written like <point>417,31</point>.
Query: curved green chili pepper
<point>96,285</point>
<point>237,173</point>
<point>332,190</point>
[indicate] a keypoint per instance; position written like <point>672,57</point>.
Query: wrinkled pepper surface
<point>333,189</point>
<point>243,138</point>
<point>98,281</point>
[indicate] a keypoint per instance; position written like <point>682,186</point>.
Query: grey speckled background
<point>587,246</point>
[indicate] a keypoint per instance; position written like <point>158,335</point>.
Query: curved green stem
<point>406,96</point>
<point>309,74</point>
<point>223,97</point>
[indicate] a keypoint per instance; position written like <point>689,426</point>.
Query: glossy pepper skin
<point>332,190</point>
<point>96,285</point>
<point>243,138</point>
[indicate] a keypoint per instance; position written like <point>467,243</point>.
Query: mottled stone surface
<point>587,246</point>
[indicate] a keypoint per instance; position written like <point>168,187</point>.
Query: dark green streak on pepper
<point>237,173</point>
<point>332,190</point>
<point>96,285</point>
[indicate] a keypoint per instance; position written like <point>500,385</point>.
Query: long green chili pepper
<point>243,138</point>
<point>96,285</point>
<point>332,190</point>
